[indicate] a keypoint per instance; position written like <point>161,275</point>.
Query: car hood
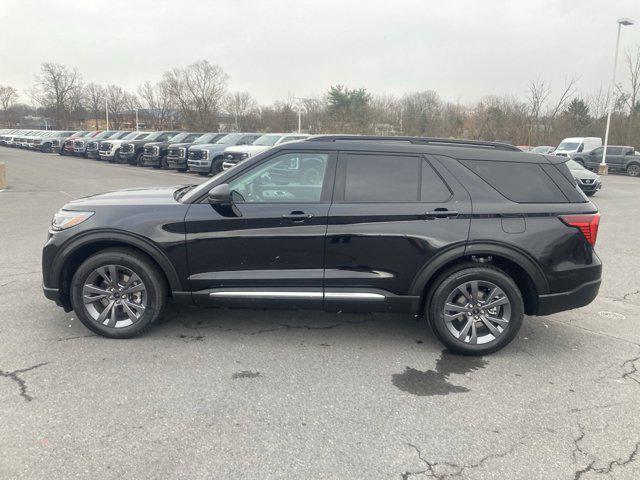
<point>584,174</point>
<point>131,196</point>
<point>211,147</point>
<point>156,144</point>
<point>251,149</point>
<point>180,145</point>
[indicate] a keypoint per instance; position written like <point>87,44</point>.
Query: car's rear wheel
<point>118,293</point>
<point>633,170</point>
<point>475,310</point>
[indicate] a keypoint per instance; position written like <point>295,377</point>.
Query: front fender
<point>116,237</point>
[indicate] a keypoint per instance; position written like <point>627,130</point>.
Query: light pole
<point>137,129</point>
<point>106,111</point>
<point>301,108</point>
<point>603,168</point>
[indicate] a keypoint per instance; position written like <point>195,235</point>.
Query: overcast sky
<point>463,49</point>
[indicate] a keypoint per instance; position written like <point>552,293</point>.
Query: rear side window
<point>392,178</point>
<point>382,178</point>
<point>519,182</point>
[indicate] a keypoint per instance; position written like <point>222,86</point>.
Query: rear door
<point>391,214</point>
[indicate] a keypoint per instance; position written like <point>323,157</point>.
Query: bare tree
<point>198,92</point>
<point>58,88</point>
<point>94,98</point>
<point>117,102</point>
<point>240,105</point>
<point>631,98</point>
<point>8,99</point>
<point>157,100</point>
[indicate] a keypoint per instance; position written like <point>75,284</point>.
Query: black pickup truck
<point>132,152</point>
<point>178,152</point>
<point>155,153</point>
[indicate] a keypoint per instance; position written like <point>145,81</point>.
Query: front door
<point>269,248</point>
<point>391,214</point>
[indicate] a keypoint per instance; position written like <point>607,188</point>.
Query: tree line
<point>197,98</point>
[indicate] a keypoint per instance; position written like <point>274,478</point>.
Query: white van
<point>570,146</point>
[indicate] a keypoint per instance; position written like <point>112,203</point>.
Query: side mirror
<point>220,195</point>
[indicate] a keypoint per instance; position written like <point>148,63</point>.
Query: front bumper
<point>176,163</point>
<point>590,187</point>
<point>92,154</point>
<point>151,160</point>
<point>128,157</point>
<point>199,165</point>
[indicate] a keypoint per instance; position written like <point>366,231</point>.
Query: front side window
<point>598,151</point>
<point>291,177</point>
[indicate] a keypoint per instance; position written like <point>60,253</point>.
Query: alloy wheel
<point>114,296</point>
<point>634,170</point>
<point>477,312</point>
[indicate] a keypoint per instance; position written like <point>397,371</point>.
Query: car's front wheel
<point>118,293</point>
<point>633,170</point>
<point>475,310</point>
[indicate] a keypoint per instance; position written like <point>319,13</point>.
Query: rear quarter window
<point>518,182</point>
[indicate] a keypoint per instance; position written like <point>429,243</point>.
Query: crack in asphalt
<point>618,462</point>
<point>277,327</point>
<point>627,295</point>
<point>634,369</point>
<point>22,384</point>
<point>456,470</point>
<point>64,339</point>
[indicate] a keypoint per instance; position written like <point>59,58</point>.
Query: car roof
<point>460,149</point>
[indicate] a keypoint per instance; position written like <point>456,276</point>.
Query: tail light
<point>587,224</point>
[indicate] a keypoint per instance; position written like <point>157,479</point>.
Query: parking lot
<point>252,394</point>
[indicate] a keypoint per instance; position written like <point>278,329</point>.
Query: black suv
<point>155,153</point>
<point>132,152</point>
<point>472,235</point>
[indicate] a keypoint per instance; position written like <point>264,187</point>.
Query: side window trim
<point>444,182</point>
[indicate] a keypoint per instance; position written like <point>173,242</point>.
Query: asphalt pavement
<point>252,394</point>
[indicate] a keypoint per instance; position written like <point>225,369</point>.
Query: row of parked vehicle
<point>587,151</point>
<point>201,152</point>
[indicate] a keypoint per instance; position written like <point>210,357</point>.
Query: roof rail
<point>416,141</point>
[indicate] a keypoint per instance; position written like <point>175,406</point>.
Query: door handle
<point>440,213</point>
<point>297,216</point>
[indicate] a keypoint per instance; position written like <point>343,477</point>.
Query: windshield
<point>541,149</point>
<point>178,138</point>
<point>104,135</point>
<point>268,140</point>
<point>153,136</point>
<point>231,138</point>
<point>131,136</point>
<point>573,165</point>
<point>568,146</point>
<point>207,138</point>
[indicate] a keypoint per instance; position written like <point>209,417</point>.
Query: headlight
<point>205,155</point>
<point>244,155</point>
<point>182,152</point>
<point>66,219</point>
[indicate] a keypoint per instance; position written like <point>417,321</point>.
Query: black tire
<point>203,174</point>
<point>163,163</point>
<point>139,162</point>
<point>633,170</point>
<point>216,165</point>
<point>141,265</point>
<point>445,286</point>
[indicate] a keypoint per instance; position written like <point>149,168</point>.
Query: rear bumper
<point>578,297</point>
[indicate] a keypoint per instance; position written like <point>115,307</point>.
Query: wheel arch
<point>524,270</point>
<point>79,249</point>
